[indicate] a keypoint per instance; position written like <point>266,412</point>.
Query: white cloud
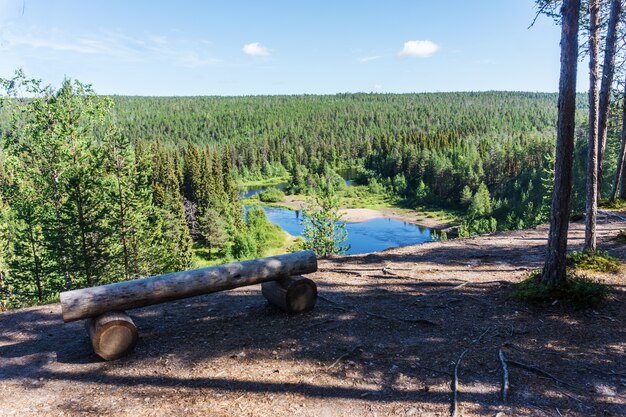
<point>255,49</point>
<point>370,58</point>
<point>419,48</point>
<point>109,44</point>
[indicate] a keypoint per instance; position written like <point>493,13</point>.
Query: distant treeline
<point>433,148</point>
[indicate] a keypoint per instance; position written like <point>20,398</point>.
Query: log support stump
<point>112,334</point>
<point>293,295</point>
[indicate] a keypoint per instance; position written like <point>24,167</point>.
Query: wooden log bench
<point>113,333</point>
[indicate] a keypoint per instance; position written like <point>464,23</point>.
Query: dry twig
<point>455,385</point>
<point>505,375</point>
<point>345,355</point>
<point>541,372</point>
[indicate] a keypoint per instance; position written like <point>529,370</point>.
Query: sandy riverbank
<point>356,215</point>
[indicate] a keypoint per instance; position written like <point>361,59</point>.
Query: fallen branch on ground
<point>541,372</point>
<point>611,214</point>
<point>455,384</point>
<point>505,375</point>
<point>455,377</point>
<point>387,271</point>
<point>345,355</point>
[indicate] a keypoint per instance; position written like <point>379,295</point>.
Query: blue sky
<point>282,47</point>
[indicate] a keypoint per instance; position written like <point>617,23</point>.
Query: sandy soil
<point>383,340</point>
<point>361,215</point>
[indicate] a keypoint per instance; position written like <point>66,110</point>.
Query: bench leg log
<point>293,295</point>
<point>112,334</point>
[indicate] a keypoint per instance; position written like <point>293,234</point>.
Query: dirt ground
<point>383,340</point>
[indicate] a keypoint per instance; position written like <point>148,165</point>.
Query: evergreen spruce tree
<point>324,231</point>
<point>213,229</point>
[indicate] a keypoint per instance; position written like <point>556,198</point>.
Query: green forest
<point>99,189</point>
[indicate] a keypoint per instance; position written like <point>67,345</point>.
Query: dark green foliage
<point>574,217</point>
<point>621,236</point>
<point>121,208</point>
<point>213,229</point>
<point>431,149</point>
<point>271,195</point>
<point>616,204</point>
<point>243,247</point>
<point>579,291</point>
<point>600,261</point>
<point>265,234</point>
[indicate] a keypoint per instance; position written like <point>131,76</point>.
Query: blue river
<point>363,237</point>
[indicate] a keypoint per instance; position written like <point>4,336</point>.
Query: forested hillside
<point>143,180</point>
<point>434,149</point>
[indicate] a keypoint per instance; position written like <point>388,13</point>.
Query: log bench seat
<point>113,333</point>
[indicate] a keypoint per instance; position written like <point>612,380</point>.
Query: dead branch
<point>611,214</point>
<point>541,10</point>
<point>387,271</point>
<point>395,276</point>
<point>541,372</point>
<point>345,355</point>
<point>455,385</point>
<point>452,289</point>
<point>406,320</point>
<point>455,378</point>
<point>505,375</point>
<point>481,336</point>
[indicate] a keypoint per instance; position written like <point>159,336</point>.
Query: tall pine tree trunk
<point>554,269</point>
<point>61,243</point>
<point>619,171</point>
<point>608,70</point>
<point>622,187</point>
<point>37,262</point>
<point>82,227</point>
<point>592,154</point>
<point>118,161</point>
<point>3,292</point>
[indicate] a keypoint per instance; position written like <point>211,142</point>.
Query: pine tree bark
<point>3,295</point>
<point>619,171</point>
<point>608,71</point>
<point>36,261</point>
<point>56,197</point>
<point>553,272</point>
<point>622,188</point>
<point>592,154</point>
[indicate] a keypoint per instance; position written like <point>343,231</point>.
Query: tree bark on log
<point>553,272</point>
<point>112,334</point>
<point>91,302</point>
<point>293,295</point>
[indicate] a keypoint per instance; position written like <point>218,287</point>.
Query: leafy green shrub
<point>437,235</point>
<point>616,204</point>
<point>298,245</point>
<point>578,292</point>
<point>600,261</point>
<point>621,236</point>
<point>243,247</point>
<point>271,195</point>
